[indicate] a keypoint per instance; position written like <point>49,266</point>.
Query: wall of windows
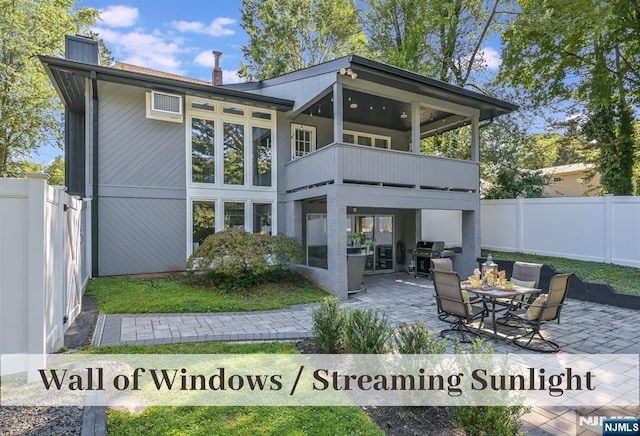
<point>230,169</point>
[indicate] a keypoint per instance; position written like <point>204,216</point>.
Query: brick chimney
<point>216,75</point>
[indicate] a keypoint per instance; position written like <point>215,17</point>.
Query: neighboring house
<point>571,180</point>
<point>318,154</point>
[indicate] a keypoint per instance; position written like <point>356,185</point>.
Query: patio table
<point>492,293</point>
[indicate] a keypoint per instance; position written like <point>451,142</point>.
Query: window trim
<point>306,128</point>
<point>371,136</point>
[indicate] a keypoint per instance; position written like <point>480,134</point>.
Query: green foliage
<point>513,183</point>
<point>328,324</point>
<point>55,170</point>
<point>366,331</point>
<point>586,51</point>
<point>288,35</point>
<point>487,420</point>
<point>418,338</point>
<point>29,107</point>
<point>236,252</point>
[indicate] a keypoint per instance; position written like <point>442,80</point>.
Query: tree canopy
<point>29,107</point>
<point>288,35</point>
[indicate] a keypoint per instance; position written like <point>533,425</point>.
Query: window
<point>557,179</point>
<point>317,240</point>
<point>202,151</point>
<point>368,139</point>
<point>262,218</point>
<point>233,110</point>
<point>203,221</point>
<point>203,106</point>
<point>303,140</point>
<point>233,215</point>
<point>262,156</point>
<point>233,142</point>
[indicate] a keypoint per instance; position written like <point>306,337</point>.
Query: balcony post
<point>415,127</point>
<point>338,114</point>
<point>475,138</point>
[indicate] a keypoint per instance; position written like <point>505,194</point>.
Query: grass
<point>233,420</point>
<point>624,279</point>
<point>187,295</point>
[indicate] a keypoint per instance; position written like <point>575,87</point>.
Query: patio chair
<point>442,264</point>
<point>452,302</point>
<point>523,274</point>
<point>545,308</point>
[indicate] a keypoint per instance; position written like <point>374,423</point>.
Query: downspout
<point>94,195</point>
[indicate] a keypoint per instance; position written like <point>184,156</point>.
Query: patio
<point>584,328</point>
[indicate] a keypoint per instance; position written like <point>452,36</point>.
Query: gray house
<point>318,154</point>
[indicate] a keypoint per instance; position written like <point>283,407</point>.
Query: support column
<point>475,138</point>
<point>336,245</point>
<point>338,115</point>
<point>466,262</point>
<point>415,127</point>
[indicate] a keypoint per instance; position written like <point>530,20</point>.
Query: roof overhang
<point>69,79</point>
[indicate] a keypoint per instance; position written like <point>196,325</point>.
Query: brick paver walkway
<point>585,328</point>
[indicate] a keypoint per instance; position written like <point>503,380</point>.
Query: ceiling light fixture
<point>353,105</point>
<point>404,115</point>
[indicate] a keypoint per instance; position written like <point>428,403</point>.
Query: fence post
<point>607,227</point>
<point>36,329</point>
<point>519,225</point>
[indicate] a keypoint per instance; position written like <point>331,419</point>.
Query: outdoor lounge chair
<point>451,301</point>
<point>544,309</point>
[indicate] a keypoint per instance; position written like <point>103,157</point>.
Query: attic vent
<point>163,106</point>
<point>171,104</point>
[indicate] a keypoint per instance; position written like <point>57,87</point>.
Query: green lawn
<point>183,295</point>
<point>234,420</point>
<point>623,279</point>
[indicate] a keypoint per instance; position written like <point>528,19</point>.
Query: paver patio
<point>585,327</point>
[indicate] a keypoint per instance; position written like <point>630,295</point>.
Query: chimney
<point>81,49</point>
<point>216,75</point>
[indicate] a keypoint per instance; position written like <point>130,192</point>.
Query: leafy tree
<point>55,170</point>
<point>587,51</point>
<point>21,167</point>
<point>29,106</point>
<point>287,35</point>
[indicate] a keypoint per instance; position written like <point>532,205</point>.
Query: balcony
<point>355,164</point>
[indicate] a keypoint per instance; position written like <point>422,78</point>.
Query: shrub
<point>236,252</point>
<point>487,420</point>
<point>417,338</point>
<point>366,331</point>
<point>328,322</point>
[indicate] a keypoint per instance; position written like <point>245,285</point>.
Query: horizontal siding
<point>134,150</point>
<point>141,235</point>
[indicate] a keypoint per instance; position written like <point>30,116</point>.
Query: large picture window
<point>203,221</point>
<point>203,150</point>
<point>233,154</point>
<point>233,215</point>
<point>262,156</point>
<point>303,140</point>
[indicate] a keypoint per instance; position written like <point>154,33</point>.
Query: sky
<point>178,37</point>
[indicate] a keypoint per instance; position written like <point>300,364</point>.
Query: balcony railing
<point>355,164</point>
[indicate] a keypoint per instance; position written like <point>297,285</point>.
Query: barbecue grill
<point>427,250</point>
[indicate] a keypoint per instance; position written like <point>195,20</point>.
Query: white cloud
<point>143,49</point>
<point>230,76</point>
<point>491,58</point>
<point>119,16</point>
<point>217,27</point>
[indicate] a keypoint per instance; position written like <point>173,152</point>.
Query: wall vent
<point>163,106</point>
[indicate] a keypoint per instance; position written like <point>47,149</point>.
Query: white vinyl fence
<point>43,268</point>
<point>601,229</point>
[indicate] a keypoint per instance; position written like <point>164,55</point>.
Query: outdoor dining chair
<point>452,302</point>
<point>545,308</point>
<point>524,274</point>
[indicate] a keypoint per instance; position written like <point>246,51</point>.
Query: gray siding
<point>141,235</point>
<point>142,186</point>
<point>300,91</point>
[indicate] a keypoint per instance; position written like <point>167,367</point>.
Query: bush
<point>328,322</point>
<point>236,252</point>
<point>366,332</point>
<point>417,338</point>
<point>487,420</point>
